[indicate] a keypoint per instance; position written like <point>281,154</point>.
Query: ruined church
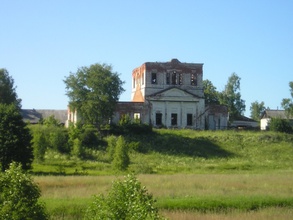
<point>171,95</point>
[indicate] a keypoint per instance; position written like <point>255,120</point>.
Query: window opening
<point>168,78</point>
<point>154,78</point>
<point>158,118</point>
<point>133,83</point>
<point>189,119</point>
<point>173,119</point>
<point>193,80</point>
<point>174,78</point>
<point>180,78</point>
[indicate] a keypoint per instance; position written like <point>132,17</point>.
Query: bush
<point>111,140</point>
<point>19,196</point>
<point>280,125</point>
<point>126,200</point>
<point>121,158</point>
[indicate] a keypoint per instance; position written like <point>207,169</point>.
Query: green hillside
<point>185,151</point>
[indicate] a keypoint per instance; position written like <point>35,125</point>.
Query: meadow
<point>191,174</point>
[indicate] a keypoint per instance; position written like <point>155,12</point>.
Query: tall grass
<point>224,174</point>
<point>204,193</point>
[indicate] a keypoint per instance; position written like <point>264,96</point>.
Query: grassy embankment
<point>226,174</point>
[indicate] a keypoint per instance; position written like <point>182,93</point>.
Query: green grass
<point>185,170</point>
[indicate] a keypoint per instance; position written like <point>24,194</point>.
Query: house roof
<point>34,115</point>
<point>274,114</point>
<point>217,109</point>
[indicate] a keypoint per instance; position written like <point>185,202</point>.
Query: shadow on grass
<point>173,144</point>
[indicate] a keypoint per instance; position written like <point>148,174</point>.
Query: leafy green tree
<point>287,103</point>
<point>256,109</point>
<point>231,97</point>
<point>210,93</point>
<point>19,196</point>
<point>121,158</point>
<point>94,91</point>
<point>7,89</point>
<point>126,200</point>
<point>15,138</point>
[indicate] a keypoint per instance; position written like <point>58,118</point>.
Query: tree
<point>256,109</point>
<point>210,93</point>
<point>231,97</point>
<point>287,104</point>
<point>94,91</point>
<point>15,138</point>
<point>7,90</point>
<point>121,158</point>
<point>126,200</point>
<point>19,196</point>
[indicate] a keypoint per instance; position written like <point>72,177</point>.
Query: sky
<point>42,42</point>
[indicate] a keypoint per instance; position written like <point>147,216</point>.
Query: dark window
<point>173,119</point>
<point>174,78</point>
<point>193,80</point>
<point>189,119</point>
<point>154,78</point>
<point>133,83</point>
<point>158,118</point>
<point>168,78</point>
<point>180,78</point>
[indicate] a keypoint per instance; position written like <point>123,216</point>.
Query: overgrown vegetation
<point>19,196</point>
<point>126,200</point>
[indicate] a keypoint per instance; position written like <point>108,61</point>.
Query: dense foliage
<point>256,109</point>
<point>126,200</point>
<point>7,89</point>
<point>280,125</point>
<point>19,196</point>
<point>210,93</point>
<point>121,158</point>
<point>15,138</point>
<point>231,97</point>
<point>94,91</point>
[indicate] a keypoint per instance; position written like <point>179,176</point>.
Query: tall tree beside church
<point>231,97</point>
<point>256,109</point>
<point>7,89</point>
<point>287,103</point>
<point>94,91</point>
<point>210,93</point>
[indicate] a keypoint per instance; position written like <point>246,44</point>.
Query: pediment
<point>174,94</point>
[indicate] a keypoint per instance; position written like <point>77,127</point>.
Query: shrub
<point>39,144</point>
<point>19,196</point>
<point>121,158</point>
<point>77,149</point>
<point>126,200</point>
<point>280,125</point>
<point>111,140</point>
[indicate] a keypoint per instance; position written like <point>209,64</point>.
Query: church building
<point>171,95</point>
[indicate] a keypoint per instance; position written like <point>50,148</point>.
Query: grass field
<point>205,175</point>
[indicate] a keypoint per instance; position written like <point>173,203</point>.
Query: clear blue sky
<point>41,42</point>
